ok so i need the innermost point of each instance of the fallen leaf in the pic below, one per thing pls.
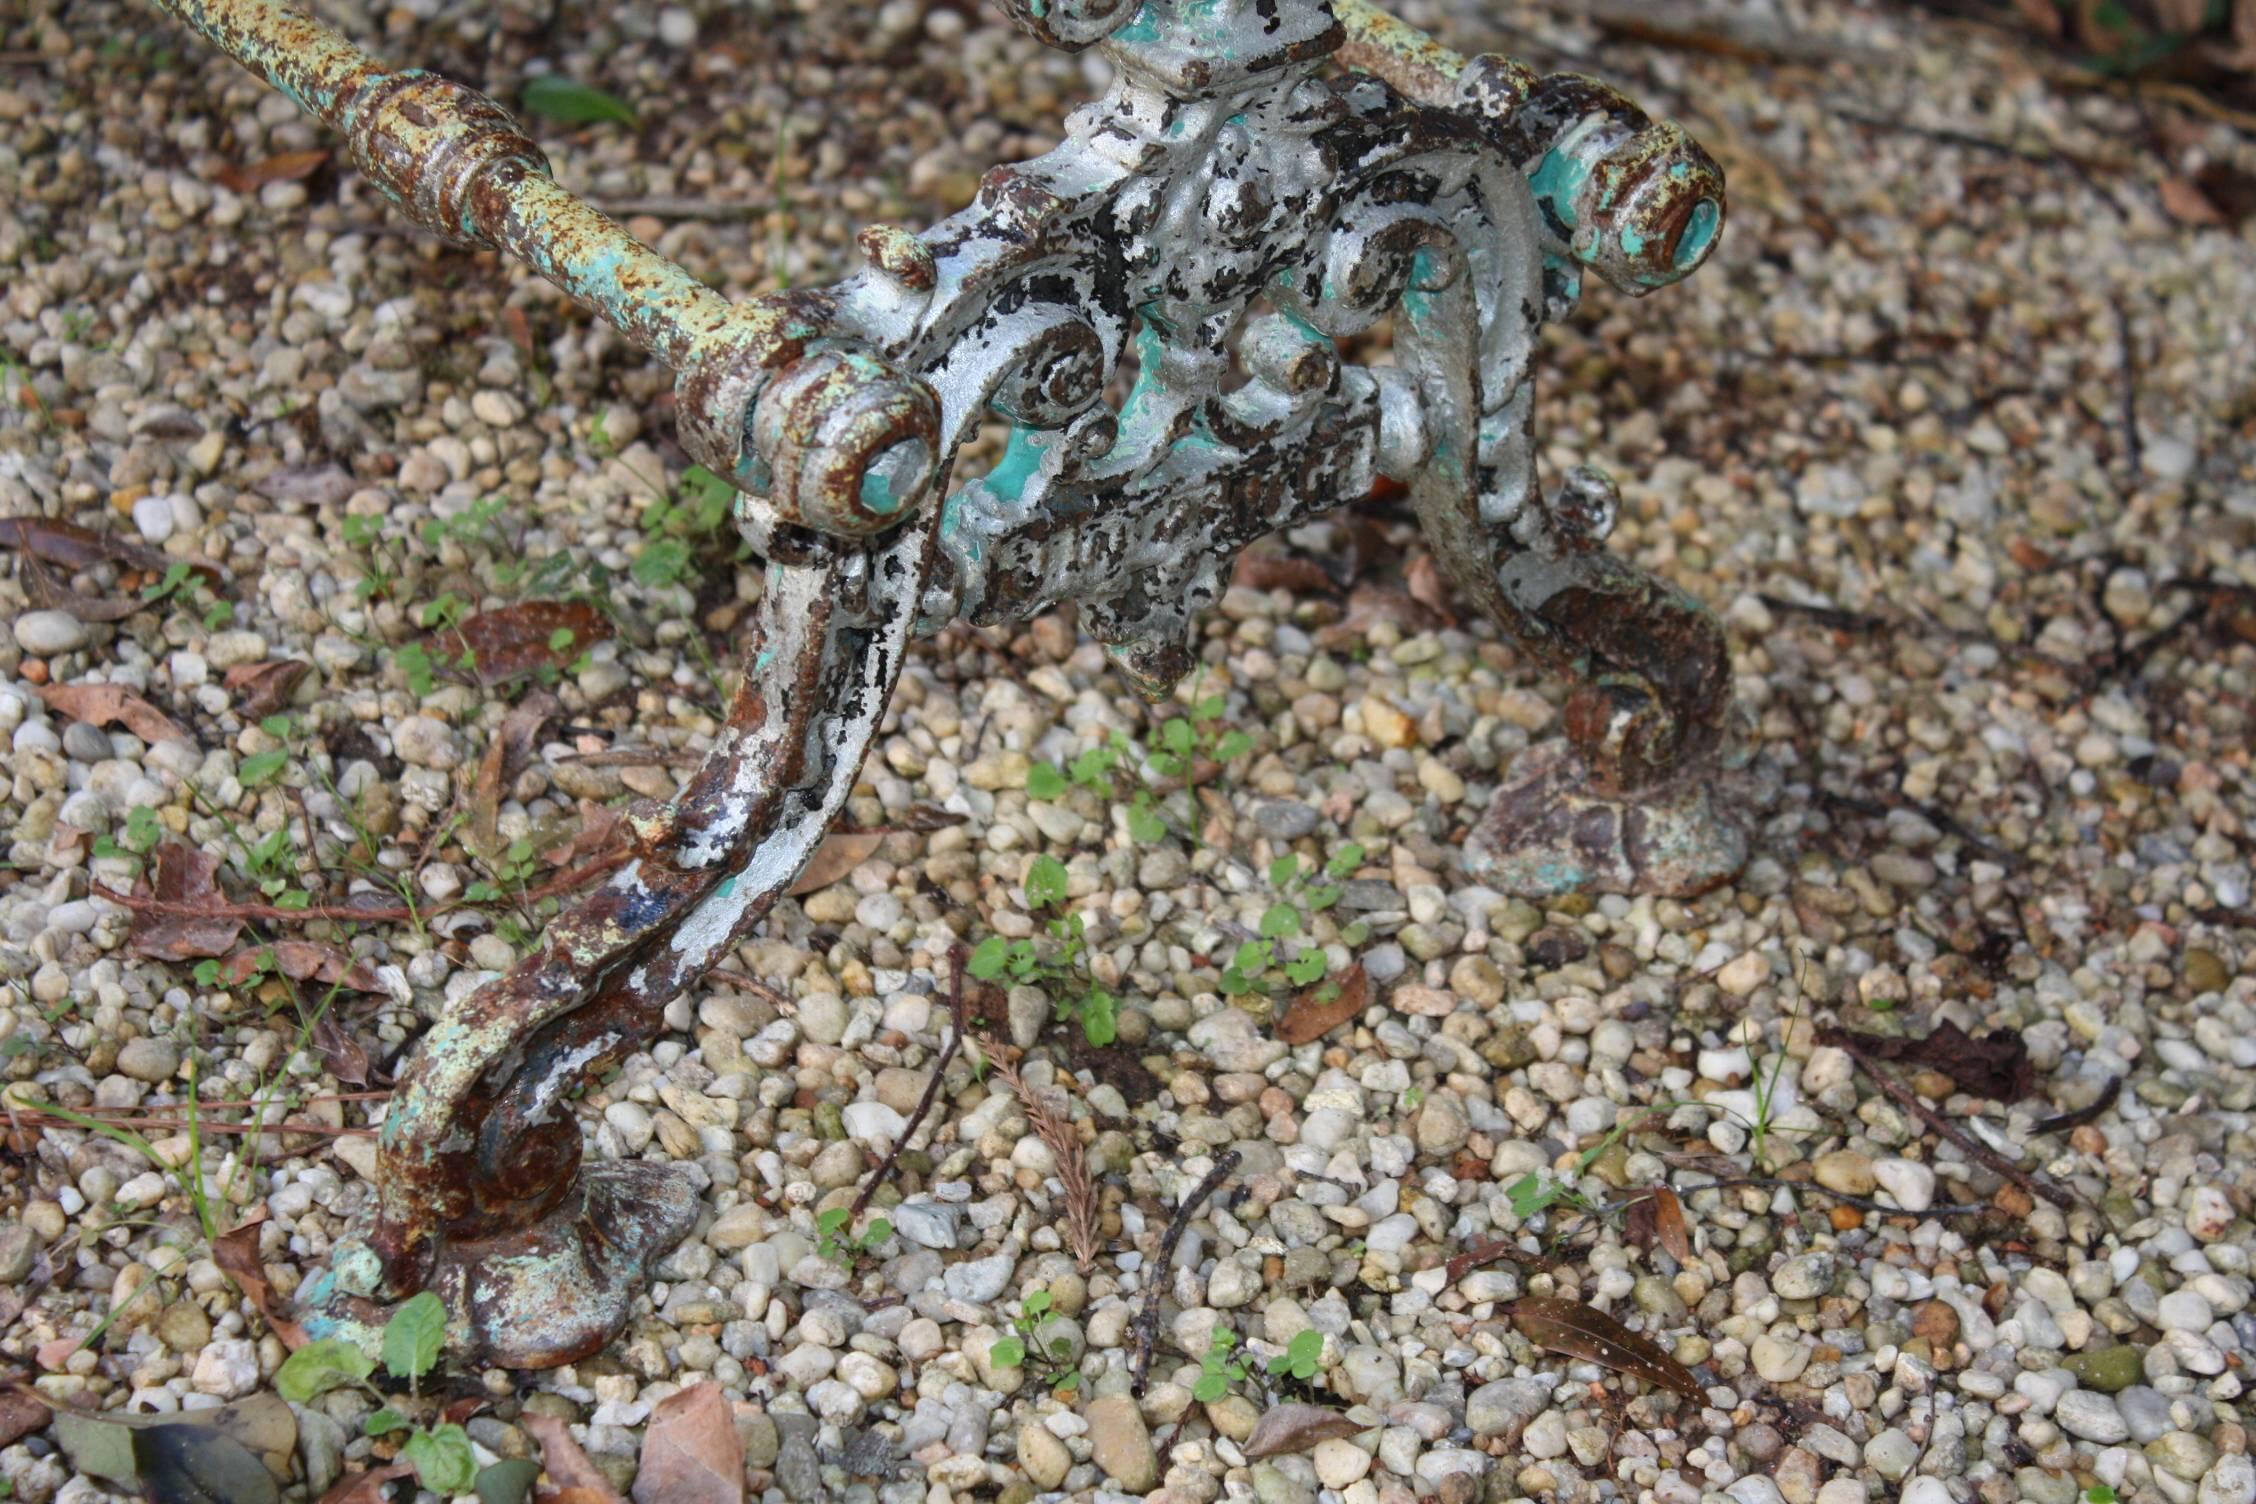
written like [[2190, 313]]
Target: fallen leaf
[[96, 1447], [512, 641], [1994, 1065], [1658, 1217], [21, 1413], [75, 547], [45, 591], [286, 167], [692, 1453], [236, 1253], [1295, 1428], [1271, 571], [509, 1481], [2231, 191], [1310, 1016], [597, 834], [113, 705], [505, 757], [300, 960], [183, 875], [1428, 586], [2188, 205], [260, 689], [368, 1487], [1580, 1331], [840, 853], [567, 101], [342, 1056], [567, 1465]]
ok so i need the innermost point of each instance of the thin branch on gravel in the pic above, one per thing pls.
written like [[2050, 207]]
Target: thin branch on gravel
[[562, 883], [2083, 1115], [1979, 1152], [1147, 1319], [766, 990], [885, 1168], [2133, 451], [1862, 1203], [1072, 1162]]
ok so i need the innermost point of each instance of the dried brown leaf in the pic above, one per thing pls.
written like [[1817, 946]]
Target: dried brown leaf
[[1580, 1331], [1994, 1065], [21, 1413], [341, 1055], [1657, 1217], [368, 1487], [512, 747], [565, 1463], [236, 1253], [287, 167], [302, 961], [113, 705], [1295, 1428], [260, 689], [513, 641], [692, 1453], [840, 853], [597, 833], [183, 875], [2184, 201], [49, 593], [75, 547], [1311, 1016], [1428, 586], [1271, 571]]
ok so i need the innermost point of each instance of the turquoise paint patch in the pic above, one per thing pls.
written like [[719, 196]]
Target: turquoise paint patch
[[877, 494], [1557, 181], [1021, 457], [728, 886], [1699, 233], [1632, 243]]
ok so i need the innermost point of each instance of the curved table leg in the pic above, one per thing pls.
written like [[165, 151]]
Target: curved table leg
[[481, 1195]]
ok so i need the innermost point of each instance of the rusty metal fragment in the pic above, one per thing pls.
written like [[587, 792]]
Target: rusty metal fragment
[[1230, 209]]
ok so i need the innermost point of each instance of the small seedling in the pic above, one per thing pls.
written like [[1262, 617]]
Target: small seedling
[[142, 832], [1219, 1369], [1054, 1359], [2099, 1493], [1302, 1356], [181, 577], [440, 1455], [833, 1241], [1064, 975], [1258, 965]]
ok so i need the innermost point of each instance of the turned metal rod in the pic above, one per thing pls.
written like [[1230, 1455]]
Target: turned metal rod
[[457, 164], [1416, 66]]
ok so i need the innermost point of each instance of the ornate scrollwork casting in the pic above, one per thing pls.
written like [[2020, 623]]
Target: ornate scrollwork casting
[[1232, 208]]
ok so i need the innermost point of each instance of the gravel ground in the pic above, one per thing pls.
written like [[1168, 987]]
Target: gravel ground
[[1944, 432]]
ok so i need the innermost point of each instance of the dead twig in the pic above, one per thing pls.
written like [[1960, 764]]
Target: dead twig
[[885, 1168], [765, 990], [1862, 1203], [2083, 1115], [562, 883], [1980, 1153], [1147, 1319]]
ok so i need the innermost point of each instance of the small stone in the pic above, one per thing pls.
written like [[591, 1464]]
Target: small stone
[[1780, 1360], [227, 1368], [1846, 1171], [1386, 725], [43, 634], [1911, 1183], [19, 1250], [2209, 1213], [1743, 974], [928, 1224], [2185, 1311], [184, 1327], [2231, 1481], [2109, 1370], [1042, 1455], [1891, 1454], [2182, 1455], [495, 409], [2090, 1416], [1805, 1277], [978, 1281], [150, 1060], [1340, 1462], [1120, 1443]]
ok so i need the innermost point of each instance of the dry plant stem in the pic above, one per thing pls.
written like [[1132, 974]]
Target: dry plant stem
[[1147, 1319], [1862, 1203], [563, 882], [884, 1171], [782, 1000], [1072, 1162], [1980, 1153]]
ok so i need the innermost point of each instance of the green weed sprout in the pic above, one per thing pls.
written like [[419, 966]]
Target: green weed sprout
[[1258, 965], [1064, 976]]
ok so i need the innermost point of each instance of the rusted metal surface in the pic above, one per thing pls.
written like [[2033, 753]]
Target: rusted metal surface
[[1218, 220]]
